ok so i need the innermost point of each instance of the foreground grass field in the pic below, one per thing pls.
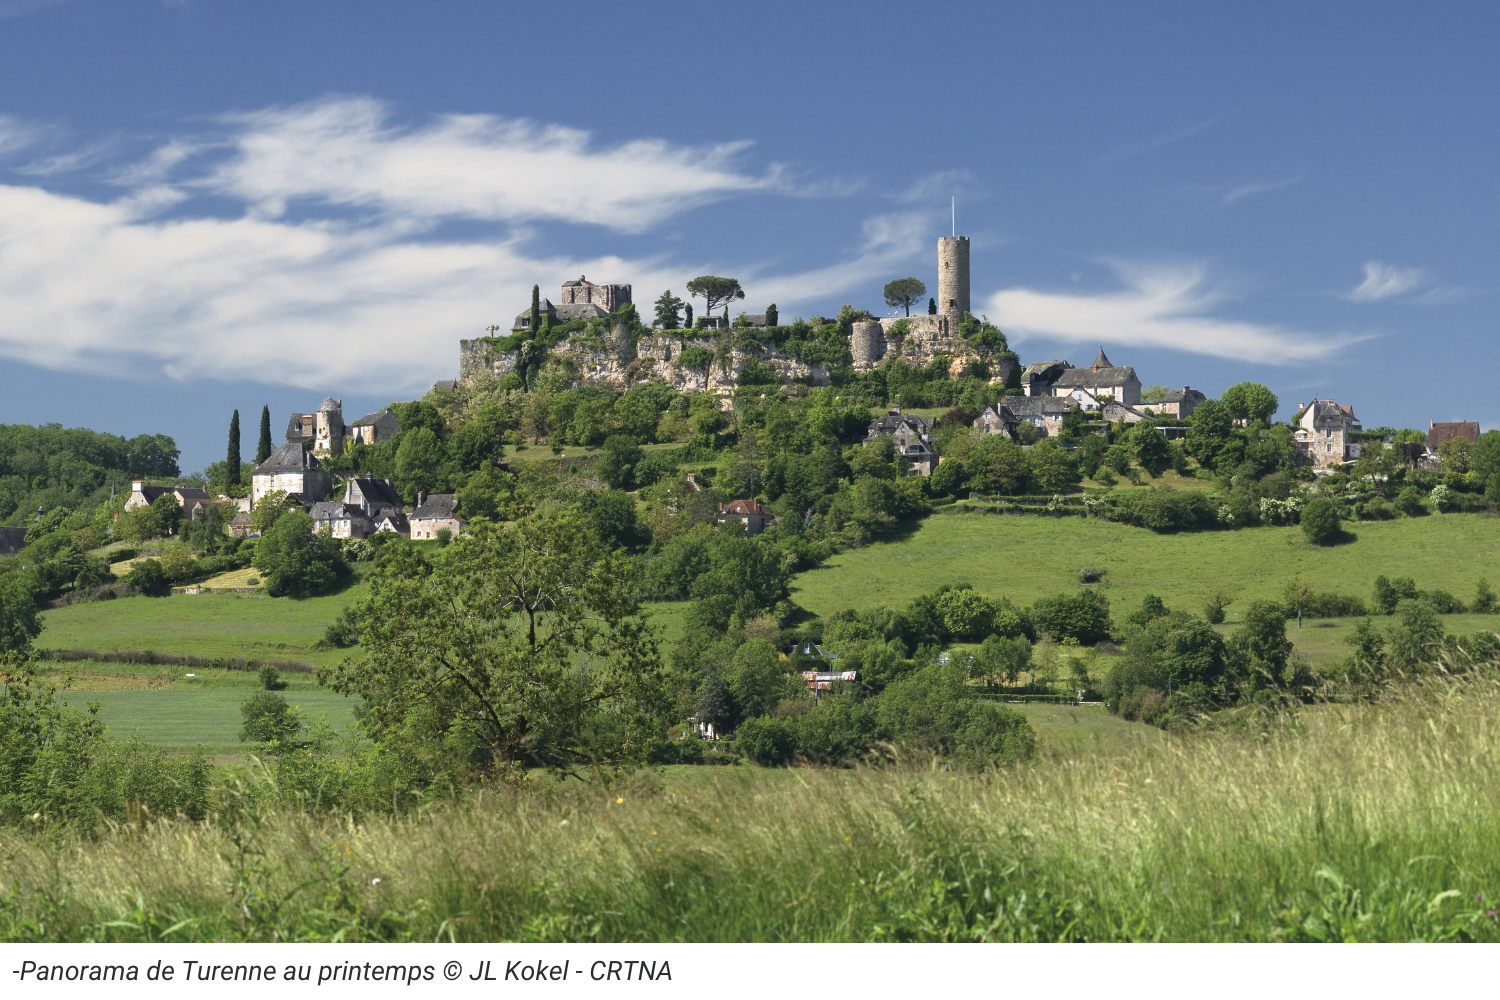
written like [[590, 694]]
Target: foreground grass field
[[1363, 823], [1024, 558]]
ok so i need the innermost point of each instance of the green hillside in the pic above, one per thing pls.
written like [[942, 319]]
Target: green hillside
[[1024, 558]]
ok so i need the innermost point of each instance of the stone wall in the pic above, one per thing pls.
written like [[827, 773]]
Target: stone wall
[[619, 363]]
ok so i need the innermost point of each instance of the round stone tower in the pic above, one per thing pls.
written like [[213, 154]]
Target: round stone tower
[[866, 344], [953, 278]]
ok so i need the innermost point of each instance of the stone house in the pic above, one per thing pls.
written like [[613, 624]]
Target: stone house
[[911, 436], [1438, 433], [1045, 413], [1115, 411], [1040, 376], [434, 513], [581, 299], [292, 468], [395, 522], [189, 498], [751, 514], [608, 297], [1101, 379], [1324, 434], [1179, 403], [242, 525], [326, 433], [366, 505]]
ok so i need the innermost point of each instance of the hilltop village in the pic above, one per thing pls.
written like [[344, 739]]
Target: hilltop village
[[594, 339]]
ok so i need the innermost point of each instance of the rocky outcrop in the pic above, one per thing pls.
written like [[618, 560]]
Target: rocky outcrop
[[618, 360]]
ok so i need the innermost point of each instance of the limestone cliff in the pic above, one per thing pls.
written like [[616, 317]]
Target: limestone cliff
[[715, 361]]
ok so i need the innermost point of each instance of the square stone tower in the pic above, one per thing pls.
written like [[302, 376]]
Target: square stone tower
[[953, 278]]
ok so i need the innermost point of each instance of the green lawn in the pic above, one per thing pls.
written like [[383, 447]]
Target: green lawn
[[1072, 730], [1025, 557], [188, 711], [244, 625]]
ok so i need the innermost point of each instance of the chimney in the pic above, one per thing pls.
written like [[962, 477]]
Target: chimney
[[421, 497], [136, 484], [369, 475]]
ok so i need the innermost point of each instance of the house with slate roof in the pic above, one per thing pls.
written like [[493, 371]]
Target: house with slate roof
[[1100, 379], [1039, 377], [189, 498], [1179, 403], [581, 299], [368, 505], [1324, 434], [291, 468], [325, 431], [435, 513], [1045, 413], [911, 435]]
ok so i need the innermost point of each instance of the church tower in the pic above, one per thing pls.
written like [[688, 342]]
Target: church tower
[[953, 279]]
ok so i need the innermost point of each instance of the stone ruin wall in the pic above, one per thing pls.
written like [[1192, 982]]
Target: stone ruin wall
[[620, 364]]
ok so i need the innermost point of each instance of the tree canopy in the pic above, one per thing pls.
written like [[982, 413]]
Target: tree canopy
[[715, 291], [903, 292]]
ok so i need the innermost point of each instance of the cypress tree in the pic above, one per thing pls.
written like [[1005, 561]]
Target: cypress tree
[[932, 307], [771, 316], [536, 308], [688, 307], [234, 449], [264, 449]]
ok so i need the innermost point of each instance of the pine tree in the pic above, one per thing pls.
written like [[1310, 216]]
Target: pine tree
[[263, 449], [536, 308], [234, 449]]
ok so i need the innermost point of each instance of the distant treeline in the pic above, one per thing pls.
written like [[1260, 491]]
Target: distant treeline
[[50, 466]]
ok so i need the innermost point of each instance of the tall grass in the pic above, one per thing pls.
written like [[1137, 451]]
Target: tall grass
[[1368, 822]]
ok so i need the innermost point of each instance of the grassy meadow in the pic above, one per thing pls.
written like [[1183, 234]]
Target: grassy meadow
[[252, 626], [1376, 822], [1026, 557]]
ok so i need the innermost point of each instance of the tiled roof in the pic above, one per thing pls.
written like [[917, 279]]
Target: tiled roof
[[746, 507], [1086, 377]]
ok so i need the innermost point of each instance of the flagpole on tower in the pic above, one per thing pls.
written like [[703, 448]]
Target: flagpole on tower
[[953, 207]]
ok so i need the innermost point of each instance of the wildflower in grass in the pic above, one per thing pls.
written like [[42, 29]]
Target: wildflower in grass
[[619, 801], [375, 881]]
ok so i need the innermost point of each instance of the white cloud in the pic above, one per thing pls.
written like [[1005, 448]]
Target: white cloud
[[1386, 281], [345, 152], [888, 241], [1165, 306]]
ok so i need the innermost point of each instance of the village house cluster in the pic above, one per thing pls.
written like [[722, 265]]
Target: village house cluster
[[366, 505]]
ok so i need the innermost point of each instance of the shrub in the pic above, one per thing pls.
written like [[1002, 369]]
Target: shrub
[[298, 562], [178, 564], [147, 577], [268, 718], [1484, 599], [19, 622], [1389, 593], [935, 711], [342, 632], [618, 458], [1082, 615], [1409, 502], [1320, 521], [1165, 510], [766, 741], [270, 678], [1091, 574]]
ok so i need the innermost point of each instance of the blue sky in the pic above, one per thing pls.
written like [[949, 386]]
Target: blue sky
[[209, 205]]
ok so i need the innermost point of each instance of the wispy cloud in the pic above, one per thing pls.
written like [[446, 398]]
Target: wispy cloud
[[1160, 141], [939, 186], [1162, 305], [64, 163], [1258, 187], [357, 297], [345, 152], [1387, 281], [888, 240]]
